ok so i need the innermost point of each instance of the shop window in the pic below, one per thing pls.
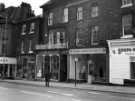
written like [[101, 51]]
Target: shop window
[[79, 13], [127, 3]]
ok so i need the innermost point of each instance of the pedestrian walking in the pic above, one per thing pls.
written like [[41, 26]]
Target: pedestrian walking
[[47, 79]]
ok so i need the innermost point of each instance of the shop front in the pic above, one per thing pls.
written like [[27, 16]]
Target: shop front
[[122, 60], [27, 68], [8, 67], [55, 62], [87, 65]]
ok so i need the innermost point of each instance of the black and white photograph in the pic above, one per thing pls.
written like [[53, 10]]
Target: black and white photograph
[[67, 50]]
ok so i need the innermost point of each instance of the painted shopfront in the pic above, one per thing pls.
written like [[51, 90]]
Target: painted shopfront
[[91, 64], [122, 60]]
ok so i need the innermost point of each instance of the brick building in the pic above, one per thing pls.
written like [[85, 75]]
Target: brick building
[[75, 33], [8, 36], [29, 35]]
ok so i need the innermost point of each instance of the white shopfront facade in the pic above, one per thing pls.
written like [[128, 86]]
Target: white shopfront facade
[[121, 60], [8, 66]]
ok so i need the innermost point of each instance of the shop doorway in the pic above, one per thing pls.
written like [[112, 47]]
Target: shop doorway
[[90, 71], [132, 70]]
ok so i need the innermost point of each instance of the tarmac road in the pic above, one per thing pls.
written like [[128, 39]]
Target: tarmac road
[[15, 92]]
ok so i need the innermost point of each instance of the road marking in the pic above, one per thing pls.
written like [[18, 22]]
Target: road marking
[[76, 100], [93, 93], [67, 94], [3, 88], [35, 93], [52, 92]]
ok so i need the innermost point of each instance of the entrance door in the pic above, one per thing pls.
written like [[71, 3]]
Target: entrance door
[[90, 71], [132, 70], [47, 64]]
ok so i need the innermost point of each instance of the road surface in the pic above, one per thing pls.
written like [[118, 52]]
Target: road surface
[[14, 92]]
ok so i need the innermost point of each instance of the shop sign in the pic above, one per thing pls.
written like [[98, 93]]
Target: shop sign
[[88, 51], [7, 60], [123, 51]]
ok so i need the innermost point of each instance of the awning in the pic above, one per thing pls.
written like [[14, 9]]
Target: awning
[[8, 60], [88, 51]]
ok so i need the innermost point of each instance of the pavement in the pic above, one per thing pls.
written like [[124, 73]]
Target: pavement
[[81, 86]]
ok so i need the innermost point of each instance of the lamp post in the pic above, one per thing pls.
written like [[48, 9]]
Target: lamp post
[[76, 59]]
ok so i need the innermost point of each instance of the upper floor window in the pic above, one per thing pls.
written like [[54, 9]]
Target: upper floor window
[[77, 38], [127, 22], [22, 47], [65, 16], [24, 29], [79, 13], [32, 27], [94, 10], [30, 46], [94, 35], [50, 19], [127, 3], [51, 37], [60, 37]]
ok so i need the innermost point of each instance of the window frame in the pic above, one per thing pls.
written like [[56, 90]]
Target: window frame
[[66, 15], [94, 32], [127, 18], [126, 3], [79, 13], [22, 47], [94, 11], [24, 26], [32, 27], [50, 18]]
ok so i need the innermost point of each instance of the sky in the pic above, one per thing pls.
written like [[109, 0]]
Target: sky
[[35, 4]]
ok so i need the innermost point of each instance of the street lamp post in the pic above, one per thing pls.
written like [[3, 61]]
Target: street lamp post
[[76, 59]]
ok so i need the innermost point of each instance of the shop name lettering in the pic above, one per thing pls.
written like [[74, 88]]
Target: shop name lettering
[[3, 60], [123, 50]]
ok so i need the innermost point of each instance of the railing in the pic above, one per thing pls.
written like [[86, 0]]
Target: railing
[[52, 46]]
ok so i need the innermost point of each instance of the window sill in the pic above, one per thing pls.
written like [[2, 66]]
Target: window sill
[[23, 33], [22, 52], [128, 5], [31, 32], [30, 52]]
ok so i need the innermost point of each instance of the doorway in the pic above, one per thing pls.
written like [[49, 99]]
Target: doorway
[[132, 70]]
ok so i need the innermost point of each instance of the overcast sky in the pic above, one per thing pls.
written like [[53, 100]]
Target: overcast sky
[[35, 4]]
